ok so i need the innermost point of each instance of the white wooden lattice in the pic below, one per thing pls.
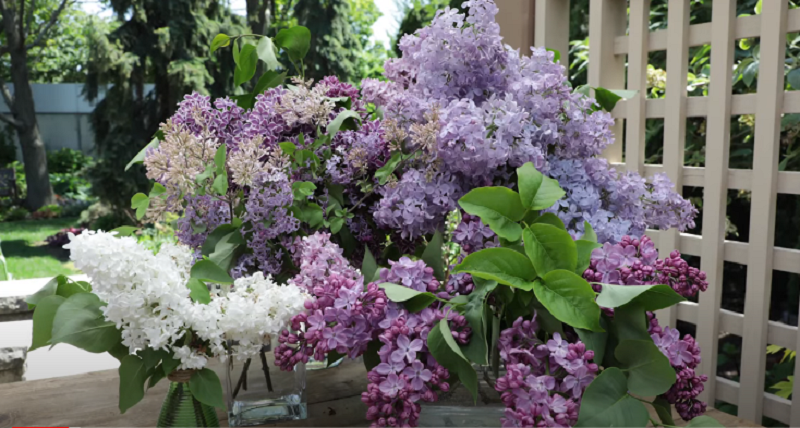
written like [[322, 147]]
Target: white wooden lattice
[[619, 34]]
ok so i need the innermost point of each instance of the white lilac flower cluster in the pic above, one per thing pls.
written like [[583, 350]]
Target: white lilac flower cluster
[[145, 295]]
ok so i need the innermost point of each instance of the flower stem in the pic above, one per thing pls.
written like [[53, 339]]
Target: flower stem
[[242, 379], [495, 349], [265, 367]]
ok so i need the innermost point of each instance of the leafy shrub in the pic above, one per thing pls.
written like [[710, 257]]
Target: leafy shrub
[[71, 185], [16, 213], [47, 211], [71, 207], [58, 240], [66, 161], [94, 212], [109, 222]]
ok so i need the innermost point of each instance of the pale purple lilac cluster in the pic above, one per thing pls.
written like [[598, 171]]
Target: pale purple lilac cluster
[[544, 382], [260, 174], [342, 316], [684, 356], [476, 109], [634, 261]]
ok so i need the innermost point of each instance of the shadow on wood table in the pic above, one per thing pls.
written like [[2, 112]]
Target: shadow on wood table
[[334, 399]]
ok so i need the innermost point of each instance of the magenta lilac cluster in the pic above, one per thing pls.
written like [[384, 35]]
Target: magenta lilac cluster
[[544, 382], [342, 316], [684, 356], [476, 109], [634, 261]]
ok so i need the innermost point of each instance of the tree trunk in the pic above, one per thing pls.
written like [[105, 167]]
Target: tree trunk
[[34, 155]]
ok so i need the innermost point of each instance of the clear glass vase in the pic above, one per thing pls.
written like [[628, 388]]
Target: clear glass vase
[[181, 409], [259, 393]]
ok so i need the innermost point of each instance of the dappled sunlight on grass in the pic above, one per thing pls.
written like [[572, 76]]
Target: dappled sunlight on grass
[[26, 253]]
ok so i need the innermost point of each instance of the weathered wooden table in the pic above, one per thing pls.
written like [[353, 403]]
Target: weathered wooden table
[[334, 399]]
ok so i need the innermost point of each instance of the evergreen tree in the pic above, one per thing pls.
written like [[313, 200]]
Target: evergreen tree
[[335, 46], [158, 54]]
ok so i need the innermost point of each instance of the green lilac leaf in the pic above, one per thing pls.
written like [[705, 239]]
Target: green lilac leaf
[[156, 375], [132, 377], [596, 341], [529, 181], [369, 267], [198, 291], [448, 354], [664, 410], [219, 41], [303, 189], [650, 297], [340, 122], [206, 388], [49, 289], [503, 265], [227, 249], [649, 371], [43, 317], [550, 248], [551, 219], [336, 224], [125, 230], [476, 350], [570, 299], [704, 421], [140, 202], [220, 184], [383, 173], [548, 194], [608, 98], [246, 68], [413, 300], [588, 232], [584, 249], [268, 80], [206, 270], [606, 403], [630, 323], [214, 237], [295, 41], [139, 158], [499, 207], [80, 322], [432, 256], [266, 52]]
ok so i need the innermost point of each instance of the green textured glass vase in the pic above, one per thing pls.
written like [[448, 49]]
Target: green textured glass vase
[[181, 409]]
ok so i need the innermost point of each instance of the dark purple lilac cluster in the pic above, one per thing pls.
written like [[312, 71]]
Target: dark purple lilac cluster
[[684, 356], [544, 382], [634, 261]]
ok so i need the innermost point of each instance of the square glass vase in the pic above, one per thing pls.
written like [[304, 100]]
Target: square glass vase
[[258, 392]]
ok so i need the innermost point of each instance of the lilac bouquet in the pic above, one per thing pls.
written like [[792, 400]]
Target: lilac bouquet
[[542, 272]]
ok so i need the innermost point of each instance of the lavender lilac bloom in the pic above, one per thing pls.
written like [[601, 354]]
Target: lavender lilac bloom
[[475, 109], [544, 382]]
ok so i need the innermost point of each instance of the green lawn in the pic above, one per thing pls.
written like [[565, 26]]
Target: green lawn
[[26, 253]]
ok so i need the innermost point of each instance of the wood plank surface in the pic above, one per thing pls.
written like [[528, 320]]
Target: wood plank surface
[[334, 399]]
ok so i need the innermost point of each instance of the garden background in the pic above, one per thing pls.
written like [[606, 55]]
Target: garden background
[[137, 61]]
